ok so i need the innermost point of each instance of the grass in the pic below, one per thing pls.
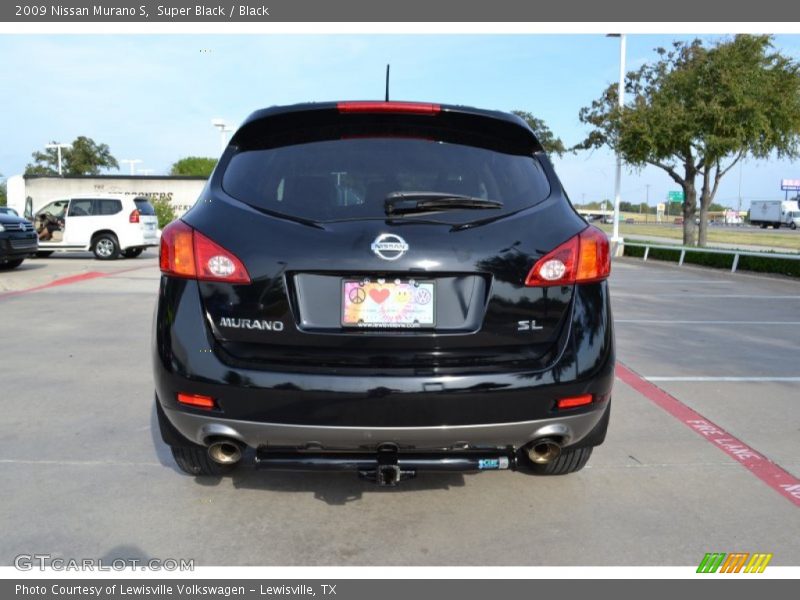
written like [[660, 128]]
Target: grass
[[716, 234]]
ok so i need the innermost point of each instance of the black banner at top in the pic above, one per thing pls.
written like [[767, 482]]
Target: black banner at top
[[464, 11]]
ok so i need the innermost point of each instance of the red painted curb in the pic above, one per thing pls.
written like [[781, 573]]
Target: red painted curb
[[759, 465], [68, 280]]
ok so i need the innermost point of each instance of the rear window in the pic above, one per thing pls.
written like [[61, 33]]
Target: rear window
[[144, 206], [350, 178]]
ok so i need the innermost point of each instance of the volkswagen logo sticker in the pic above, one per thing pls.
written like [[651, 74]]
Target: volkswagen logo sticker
[[389, 246]]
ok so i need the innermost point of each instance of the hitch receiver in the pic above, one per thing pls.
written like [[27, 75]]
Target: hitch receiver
[[388, 475]]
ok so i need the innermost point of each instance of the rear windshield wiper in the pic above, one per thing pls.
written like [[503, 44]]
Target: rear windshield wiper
[[405, 203]]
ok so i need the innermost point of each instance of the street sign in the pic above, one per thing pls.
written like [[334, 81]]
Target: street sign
[[790, 185], [675, 196]]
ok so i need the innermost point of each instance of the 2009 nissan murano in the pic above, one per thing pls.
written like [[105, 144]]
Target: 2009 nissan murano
[[386, 288]]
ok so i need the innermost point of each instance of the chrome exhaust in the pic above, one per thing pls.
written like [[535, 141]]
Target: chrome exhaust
[[225, 452], [543, 451]]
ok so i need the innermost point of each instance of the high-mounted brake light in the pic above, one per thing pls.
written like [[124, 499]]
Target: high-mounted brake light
[[581, 259], [416, 108], [188, 253], [134, 218]]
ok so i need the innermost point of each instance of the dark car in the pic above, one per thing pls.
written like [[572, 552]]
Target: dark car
[[383, 287], [17, 240]]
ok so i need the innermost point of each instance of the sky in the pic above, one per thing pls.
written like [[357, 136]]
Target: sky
[[152, 97]]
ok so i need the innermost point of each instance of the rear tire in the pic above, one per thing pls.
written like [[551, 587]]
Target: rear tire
[[11, 264], [194, 460], [106, 247], [569, 461], [132, 252], [43, 253]]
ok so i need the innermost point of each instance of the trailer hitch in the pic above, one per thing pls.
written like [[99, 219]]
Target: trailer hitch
[[387, 471], [387, 466]]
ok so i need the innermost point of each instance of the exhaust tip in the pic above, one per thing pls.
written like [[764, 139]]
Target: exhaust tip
[[543, 451], [225, 452]]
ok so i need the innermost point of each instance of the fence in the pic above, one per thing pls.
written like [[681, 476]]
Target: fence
[[735, 253]]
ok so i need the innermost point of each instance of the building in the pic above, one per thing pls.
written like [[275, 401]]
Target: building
[[28, 193]]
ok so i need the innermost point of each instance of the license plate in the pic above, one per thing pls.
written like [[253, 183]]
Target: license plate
[[387, 303]]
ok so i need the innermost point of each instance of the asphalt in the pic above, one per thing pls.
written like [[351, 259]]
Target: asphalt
[[85, 475]]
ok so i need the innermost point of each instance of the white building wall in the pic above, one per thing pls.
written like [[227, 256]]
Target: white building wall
[[181, 192]]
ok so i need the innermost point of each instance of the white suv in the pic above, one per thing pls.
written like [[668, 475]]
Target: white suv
[[109, 226]]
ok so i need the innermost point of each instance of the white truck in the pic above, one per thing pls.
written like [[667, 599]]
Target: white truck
[[775, 213]]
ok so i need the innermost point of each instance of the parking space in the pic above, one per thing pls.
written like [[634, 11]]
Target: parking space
[[85, 473]]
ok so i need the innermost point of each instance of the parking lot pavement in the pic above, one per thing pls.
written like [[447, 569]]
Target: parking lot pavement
[[86, 475], [38, 272]]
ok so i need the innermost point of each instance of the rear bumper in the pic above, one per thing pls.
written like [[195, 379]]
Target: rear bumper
[[345, 411], [568, 429], [137, 239]]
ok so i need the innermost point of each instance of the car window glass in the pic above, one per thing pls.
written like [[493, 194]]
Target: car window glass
[[108, 207], [54, 208], [144, 206], [345, 178], [80, 208]]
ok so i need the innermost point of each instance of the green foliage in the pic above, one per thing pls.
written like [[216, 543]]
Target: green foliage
[[697, 110], [84, 157], [3, 193], [550, 143], [757, 264], [164, 212], [197, 166]]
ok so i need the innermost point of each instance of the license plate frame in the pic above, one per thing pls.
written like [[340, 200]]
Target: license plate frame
[[373, 312]]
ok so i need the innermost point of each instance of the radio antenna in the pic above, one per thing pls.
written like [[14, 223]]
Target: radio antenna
[[387, 83]]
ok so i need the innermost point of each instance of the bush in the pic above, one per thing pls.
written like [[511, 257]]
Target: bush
[[164, 212], [757, 264]]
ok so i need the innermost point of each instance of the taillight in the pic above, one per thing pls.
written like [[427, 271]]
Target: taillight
[[177, 251], [188, 253], [417, 108], [134, 218], [214, 263], [581, 259]]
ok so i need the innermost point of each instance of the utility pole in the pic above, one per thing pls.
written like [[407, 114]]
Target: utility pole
[[621, 103], [739, 208], [132, 162], [223, 132], [58, 147]]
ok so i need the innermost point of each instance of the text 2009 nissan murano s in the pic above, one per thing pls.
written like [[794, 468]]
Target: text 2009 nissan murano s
[[387, 288]]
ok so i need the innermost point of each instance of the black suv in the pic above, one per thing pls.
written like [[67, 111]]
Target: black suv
[[17, 240], [383, 287]]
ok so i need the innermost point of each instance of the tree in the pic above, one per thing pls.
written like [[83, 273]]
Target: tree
[[83, 157], [550, 143], [3, 193], [697, 110], [198, 166], [164, 212]]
